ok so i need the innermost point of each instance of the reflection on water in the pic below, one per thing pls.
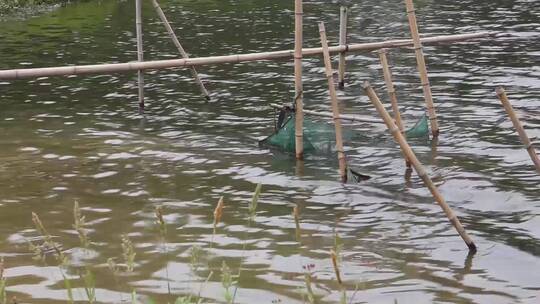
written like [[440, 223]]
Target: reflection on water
[[81, 138]]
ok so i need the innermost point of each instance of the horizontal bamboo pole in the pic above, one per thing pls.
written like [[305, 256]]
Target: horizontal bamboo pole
[[351, 118], [187, 62], [519, 127], [400, 139]]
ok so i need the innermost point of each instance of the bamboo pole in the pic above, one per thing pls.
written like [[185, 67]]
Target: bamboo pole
[[400, 139], [392, 94], [391, 88], [181, 49], [519, 127], [213, 60], [421, 61], [348, 117], [335, 109], [140, 52], [342, 42], [298, 86]]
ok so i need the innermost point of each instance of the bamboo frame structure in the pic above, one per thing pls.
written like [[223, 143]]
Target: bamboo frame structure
[[422, 69], [335, 108], [392, 94], [213, 60], [400, 139], [501, 93], [140, 53], [181, 49], [298, 86], [342, 42], [348, 117]]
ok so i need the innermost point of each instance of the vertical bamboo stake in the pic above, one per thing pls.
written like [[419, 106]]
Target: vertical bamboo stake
[[299, 90], [421, 61], [181, 50], [418, 166], [342, 42], [333, 99], [392, 94], [140, 52], [519, 127]]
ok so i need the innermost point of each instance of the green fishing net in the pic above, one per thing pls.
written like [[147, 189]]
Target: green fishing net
[[420, 129], [319, 137]]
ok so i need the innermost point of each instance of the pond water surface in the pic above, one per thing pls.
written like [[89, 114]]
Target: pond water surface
[[81, 139]]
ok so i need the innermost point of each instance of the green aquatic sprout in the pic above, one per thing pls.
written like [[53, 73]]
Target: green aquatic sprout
[[227, 282], [89, 285], [3, 283], [128, 252], [48, 240], [79, 224], [255, 201], [69, 289], [161, 221]]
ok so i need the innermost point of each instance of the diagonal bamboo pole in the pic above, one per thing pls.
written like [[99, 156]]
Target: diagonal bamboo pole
[[335, 109], [298, 86], [342, 42], [140, 52], [181, 50], [422, 68], [519, 127], [392, 94], [124, 67], [400, 139]]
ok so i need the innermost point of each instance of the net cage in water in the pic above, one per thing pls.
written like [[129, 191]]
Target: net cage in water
[[319, 136]]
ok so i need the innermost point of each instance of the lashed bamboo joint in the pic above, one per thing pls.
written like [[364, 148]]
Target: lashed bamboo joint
[[519, 127], [422, 173]]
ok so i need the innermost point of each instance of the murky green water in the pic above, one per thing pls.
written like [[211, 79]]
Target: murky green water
[[80, 138]]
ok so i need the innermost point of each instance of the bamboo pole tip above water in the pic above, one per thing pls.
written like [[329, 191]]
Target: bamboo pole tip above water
[[500, 91], [321, 26], [366, 85], [382, 51]]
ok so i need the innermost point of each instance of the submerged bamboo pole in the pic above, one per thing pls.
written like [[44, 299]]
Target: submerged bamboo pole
[[140, 52], [342, 42], [392, 94], [421, 61], [181, 49], [108, 68], [335, 109], [519, 127], [348, 117], [400, 139], [298, 86]]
